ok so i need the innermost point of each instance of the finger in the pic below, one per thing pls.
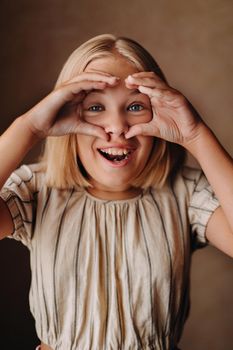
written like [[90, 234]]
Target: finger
[[100, 76], [130, 86], [169, 96], [71, 90], [155, 75], [146, 81], [152, 93], [78, 98], [135, 85], [66, 94], [92, 130], [141, 129], [150, 74]]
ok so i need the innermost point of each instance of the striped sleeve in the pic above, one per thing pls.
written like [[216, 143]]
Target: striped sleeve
[[20, 195], [202, 204]]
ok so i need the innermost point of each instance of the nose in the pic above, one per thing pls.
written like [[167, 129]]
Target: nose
[[117, 124]]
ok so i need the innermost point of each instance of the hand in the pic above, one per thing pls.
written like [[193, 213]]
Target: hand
[[174, 119], [59, 112]]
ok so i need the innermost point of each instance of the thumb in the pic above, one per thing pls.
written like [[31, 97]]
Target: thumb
[[92, 130], [144, 129]]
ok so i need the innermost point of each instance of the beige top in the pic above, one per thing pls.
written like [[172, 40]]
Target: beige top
[[109, 274]]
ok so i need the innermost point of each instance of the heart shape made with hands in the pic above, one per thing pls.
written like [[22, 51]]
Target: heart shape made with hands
[[174, 119]]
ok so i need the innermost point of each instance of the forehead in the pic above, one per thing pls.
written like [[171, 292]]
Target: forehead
[[115, 65]]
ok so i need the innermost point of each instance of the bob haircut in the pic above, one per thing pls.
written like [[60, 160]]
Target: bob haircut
[[68, 172]]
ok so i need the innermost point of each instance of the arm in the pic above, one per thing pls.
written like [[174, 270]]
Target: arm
[[218, 168], [14, 145], [175, 120], [57, 114]]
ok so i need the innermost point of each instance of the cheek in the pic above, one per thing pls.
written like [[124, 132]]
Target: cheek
[[101, 119], [147, 117], [84, 146], [95, 120], [90, 117], [139, 119], [146, 143]]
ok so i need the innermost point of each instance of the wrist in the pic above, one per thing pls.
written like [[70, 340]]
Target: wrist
[[33, 136], [203, 138], [23, 134]]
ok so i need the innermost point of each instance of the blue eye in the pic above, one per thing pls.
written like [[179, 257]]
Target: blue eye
[[135, 108], [95, 108]]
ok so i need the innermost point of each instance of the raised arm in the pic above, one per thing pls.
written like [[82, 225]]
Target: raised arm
[[57, 114], [218, 168], [175, 120]]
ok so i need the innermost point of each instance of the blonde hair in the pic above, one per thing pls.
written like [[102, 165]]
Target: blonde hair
[[68, 172]]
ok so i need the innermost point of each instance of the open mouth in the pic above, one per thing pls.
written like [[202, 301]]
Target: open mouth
[[115, 155]]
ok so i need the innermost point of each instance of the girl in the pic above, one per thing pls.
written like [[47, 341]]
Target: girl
[[110, 213]]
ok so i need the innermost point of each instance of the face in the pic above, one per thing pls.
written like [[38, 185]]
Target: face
[[112, 165]]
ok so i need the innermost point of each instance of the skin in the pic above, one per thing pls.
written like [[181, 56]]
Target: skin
[[173, 119], [170, 117], [117, 109]]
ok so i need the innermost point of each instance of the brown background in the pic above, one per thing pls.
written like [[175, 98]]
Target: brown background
[[192, 41]]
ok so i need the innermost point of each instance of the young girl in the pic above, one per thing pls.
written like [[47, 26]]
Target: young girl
[[110, 214]]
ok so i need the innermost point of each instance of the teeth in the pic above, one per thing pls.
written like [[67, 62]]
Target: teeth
[[115, 151]]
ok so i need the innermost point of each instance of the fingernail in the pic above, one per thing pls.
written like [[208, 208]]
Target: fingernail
[[129, 77], [114, 80]]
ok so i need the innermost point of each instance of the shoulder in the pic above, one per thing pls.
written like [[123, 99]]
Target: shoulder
[[26, 171], [30, 175], [181, 188], [186, 178]]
